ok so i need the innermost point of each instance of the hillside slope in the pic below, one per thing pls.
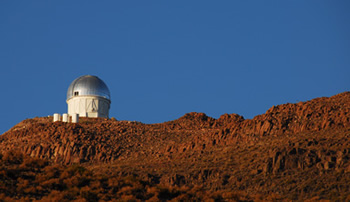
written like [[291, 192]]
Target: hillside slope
[[293, 151]]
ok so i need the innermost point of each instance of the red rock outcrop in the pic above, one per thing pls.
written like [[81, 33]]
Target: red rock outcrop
[[315, 115], [297, 150], [104, 140]]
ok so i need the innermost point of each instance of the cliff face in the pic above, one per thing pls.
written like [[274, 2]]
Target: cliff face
[[312, 116], [302, 140]]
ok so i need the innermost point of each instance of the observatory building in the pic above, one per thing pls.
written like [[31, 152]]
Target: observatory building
[[88, 96]]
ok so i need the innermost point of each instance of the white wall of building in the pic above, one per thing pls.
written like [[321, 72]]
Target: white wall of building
[[89, 106]]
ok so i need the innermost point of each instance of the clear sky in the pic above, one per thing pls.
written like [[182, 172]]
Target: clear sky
[[162, 59]]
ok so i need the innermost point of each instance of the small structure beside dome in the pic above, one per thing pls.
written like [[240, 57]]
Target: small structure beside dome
[[88, 96]]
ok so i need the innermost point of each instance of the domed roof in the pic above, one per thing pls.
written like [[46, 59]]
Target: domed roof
[[88, 85]]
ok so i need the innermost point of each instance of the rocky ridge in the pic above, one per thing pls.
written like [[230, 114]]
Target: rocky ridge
[[295, 150], [106, 140]]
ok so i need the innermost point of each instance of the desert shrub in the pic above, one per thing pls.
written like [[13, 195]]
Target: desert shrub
[[53, 184], [33, 163], [3, 173], [76, 176], [114, 184], [167, 192], [58, 196], [21, 185], [77, 181], [96, 184], [31, 190], [48, 172], [75, 170], [88, 194], [12, 157]]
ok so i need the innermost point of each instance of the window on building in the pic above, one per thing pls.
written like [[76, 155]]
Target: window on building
[[76, 93]]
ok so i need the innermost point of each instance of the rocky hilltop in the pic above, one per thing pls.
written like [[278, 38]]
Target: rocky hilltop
[[293, 151]]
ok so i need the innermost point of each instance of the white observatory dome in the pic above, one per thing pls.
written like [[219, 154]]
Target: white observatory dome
[[88, 85], [88, 96]]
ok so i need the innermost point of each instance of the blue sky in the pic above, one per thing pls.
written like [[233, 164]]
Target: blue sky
[[162, 59]]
